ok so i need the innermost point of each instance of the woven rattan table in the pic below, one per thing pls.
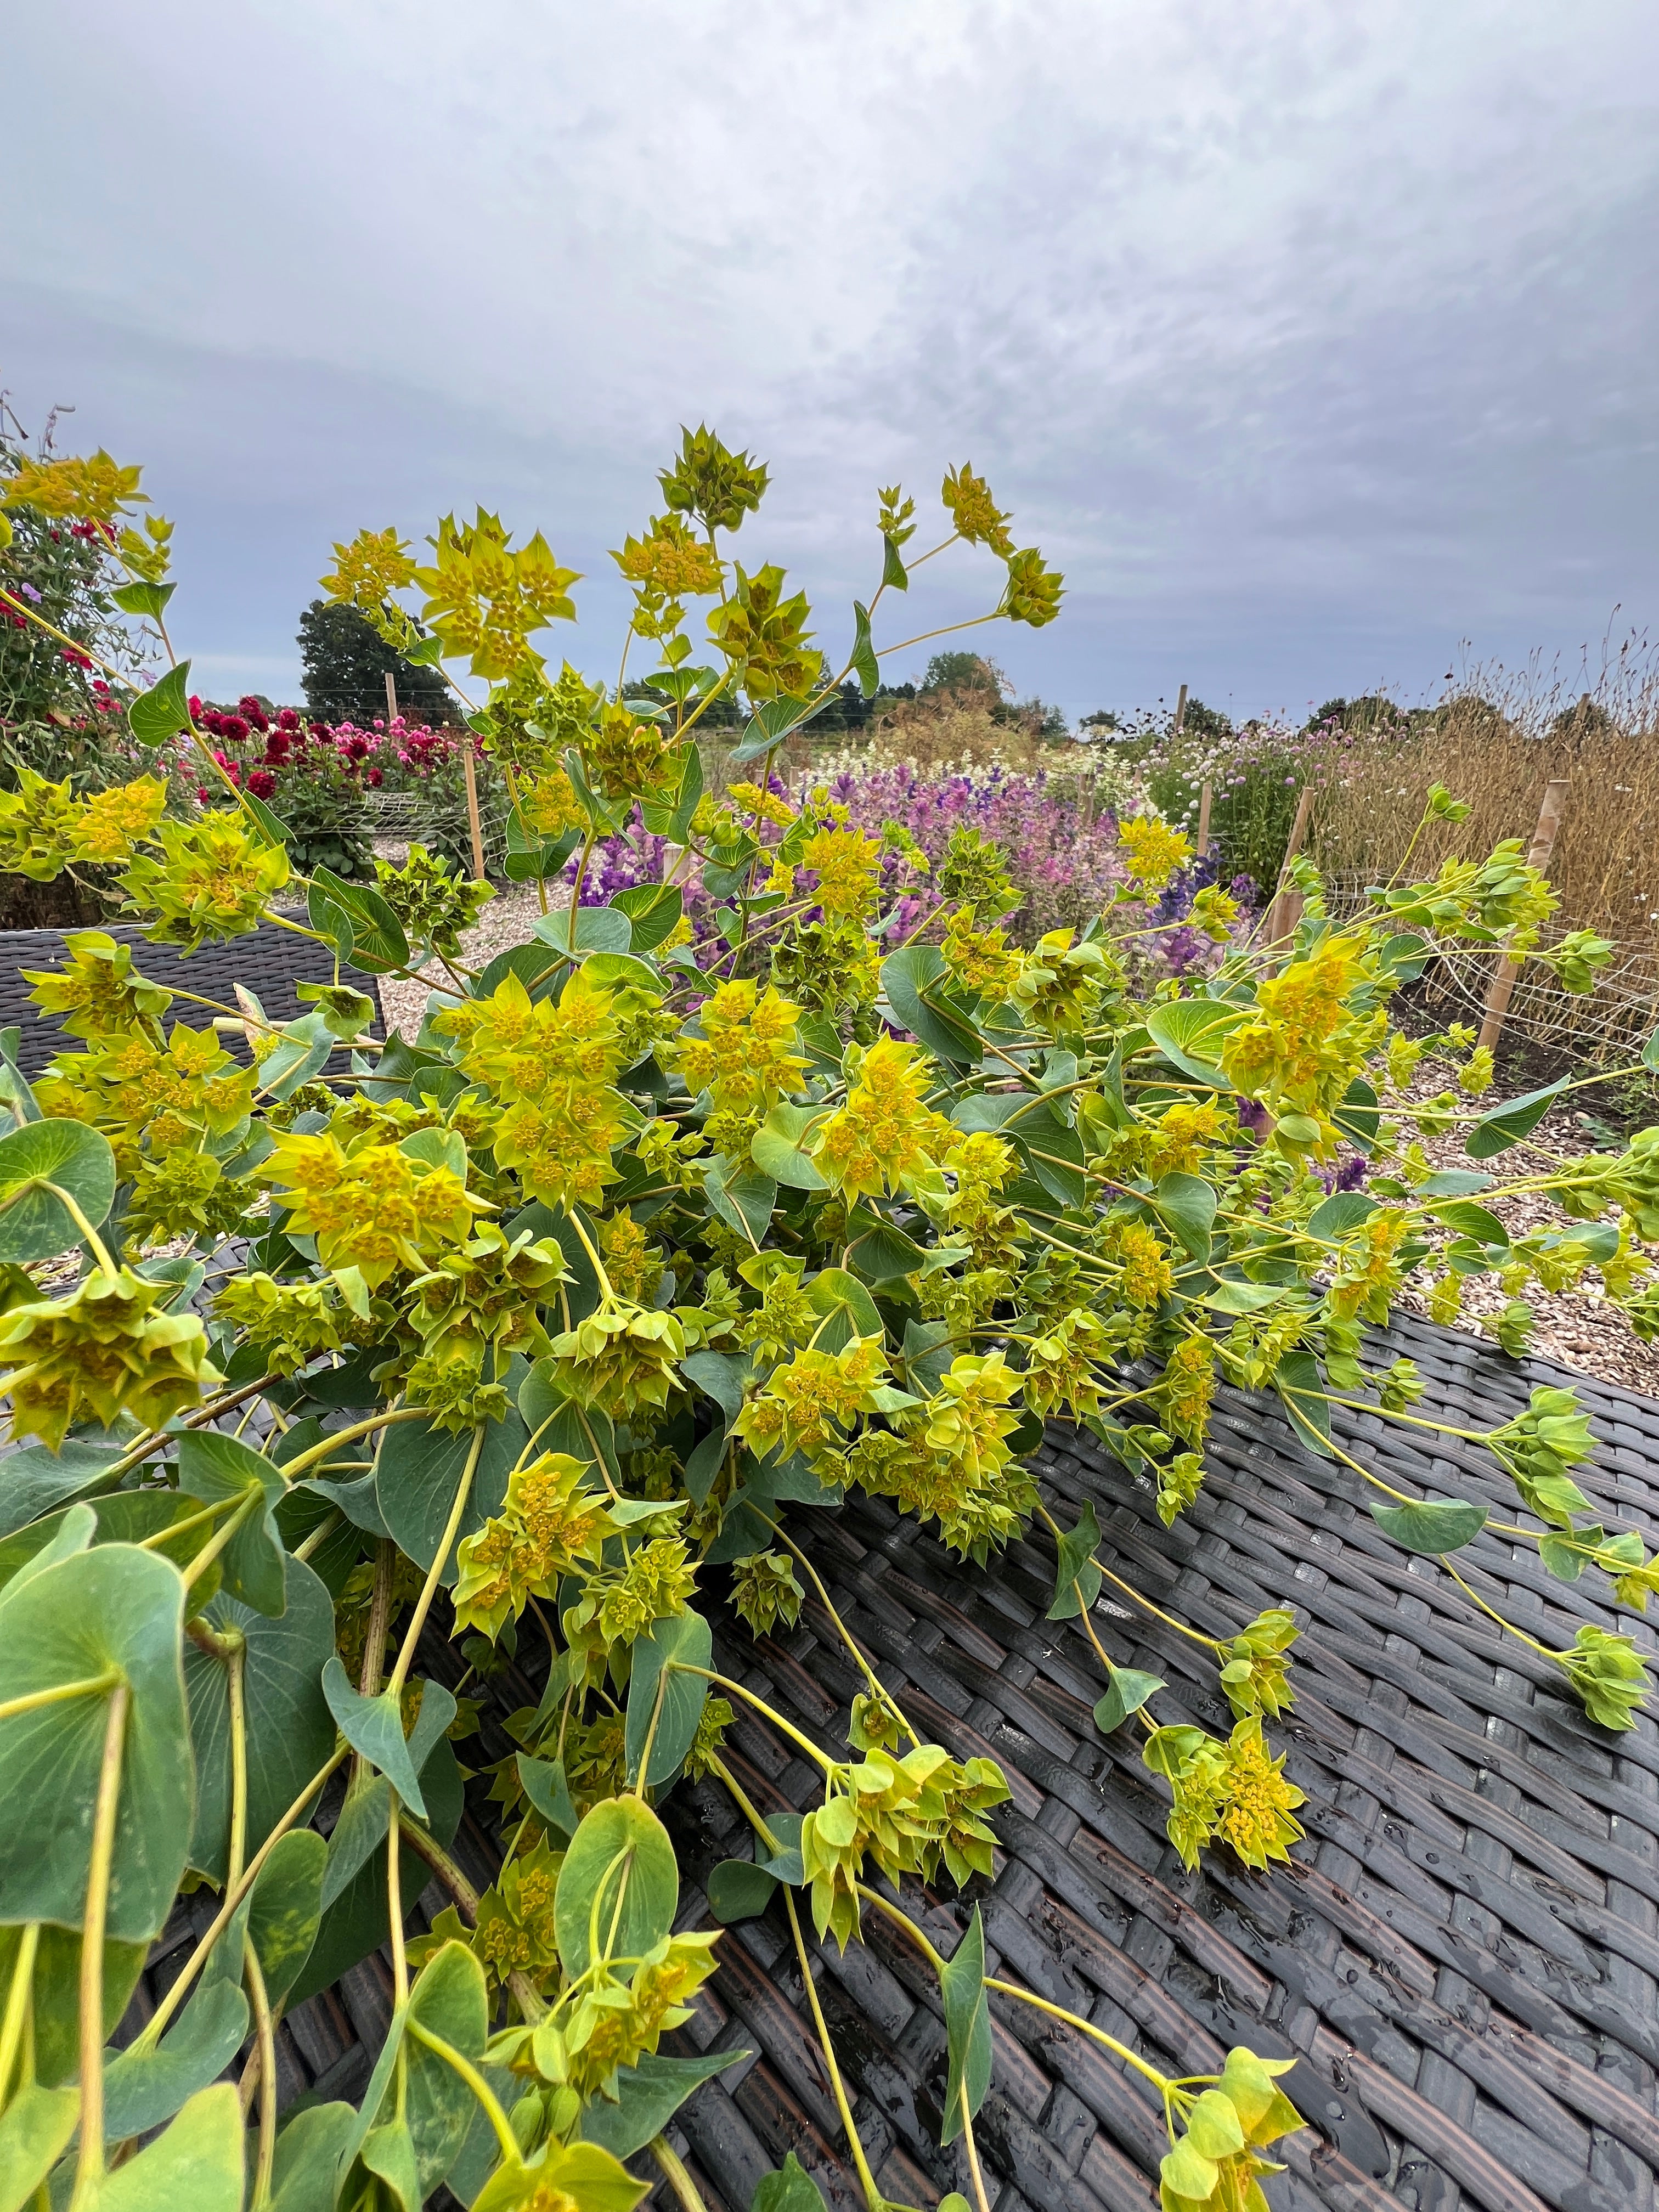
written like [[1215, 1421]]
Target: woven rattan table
[[1463, 1957], [269, 961]]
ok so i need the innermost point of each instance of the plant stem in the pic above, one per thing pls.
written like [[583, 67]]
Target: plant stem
[[380, 1612], [17, 2003], [1084, 2027], [233, 1895], [394, 1906], [673, 2167], [869, 1672], [873, 2196], [89, 2165], [423, 1603], [235, 1662], [475, 2081], [761, 1706], [265, 2030], [94, 1242]]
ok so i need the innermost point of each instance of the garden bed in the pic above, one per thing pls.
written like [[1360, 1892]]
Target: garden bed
[[1463, 1956]]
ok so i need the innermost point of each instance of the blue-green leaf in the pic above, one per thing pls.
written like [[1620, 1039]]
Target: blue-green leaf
[[968, 2029], [160, 713]]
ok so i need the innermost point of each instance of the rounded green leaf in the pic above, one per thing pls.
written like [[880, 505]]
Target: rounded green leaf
[[196, 2166], [116, 1609], [449, 2001], [665, 1703], [160, 713], [1444, 1525], [647, 2097], [739, 1890], [287, 1906], [290, 1730], [621, 1857], [1127, 1692], [421, 1469], [33, 1224]]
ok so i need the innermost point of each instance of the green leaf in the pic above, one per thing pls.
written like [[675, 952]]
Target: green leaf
[[682, 1641], [1465, 1218], [449, 2001], [144, 598], [1192, 1032], [1441, 1525], [647, 2097], [1186, 1204], [1505, 1125], [776, 1148], [1358, 1117], [379, 943], [308, 2152], [1125, 1693], [835, 1286], [768, 726], [1342, 1211], [720, 1376], [913, 980], [56, 2002], [1453, 1182], [620, 1852], [742, 1197], [1077, 1583], [355, 1924], [142, 2088], [277, 831], [388, 2153], [36, 1482], [546, 1786], [35, 2132], [879, 1252], [113, 1608], [196, 2166], [253, 1562], [1302, 1388], [160, 713], [864, 664], [33, 1224], [374, 1727], [1650, 1051], [739, 1889], [653, 912], [1230, 1297], [893, 576], [420, 1470], [290, 1731], [968, 2029], [287, 1907]]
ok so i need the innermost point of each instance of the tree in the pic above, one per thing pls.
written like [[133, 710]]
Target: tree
[[964, 672], [346, 664]]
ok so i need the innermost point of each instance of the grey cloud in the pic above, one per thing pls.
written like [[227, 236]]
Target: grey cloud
[[1308, 339]]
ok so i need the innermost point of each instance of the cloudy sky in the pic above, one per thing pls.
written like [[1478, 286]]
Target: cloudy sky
[[1309, 337]]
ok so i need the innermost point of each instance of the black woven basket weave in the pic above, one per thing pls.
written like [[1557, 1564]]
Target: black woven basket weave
[[1463, 1957], [269, 961]]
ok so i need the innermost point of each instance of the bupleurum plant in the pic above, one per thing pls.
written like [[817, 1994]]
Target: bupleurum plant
[[562, 1303]]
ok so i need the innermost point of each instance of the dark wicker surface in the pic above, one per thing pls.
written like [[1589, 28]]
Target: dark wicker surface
[[268, 961], [1463, 1957]]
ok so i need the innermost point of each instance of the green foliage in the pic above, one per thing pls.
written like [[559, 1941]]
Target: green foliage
[[344, 663], [569, 1300]]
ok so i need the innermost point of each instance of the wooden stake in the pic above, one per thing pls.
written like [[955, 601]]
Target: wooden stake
[[467, 770], [1181, 712], [1504, 975], [1204, 821], [1286, 911], [391, 697]]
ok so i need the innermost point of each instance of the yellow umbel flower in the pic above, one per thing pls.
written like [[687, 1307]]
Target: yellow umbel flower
[[373, 1208], [845, 862], [1154, 852], [114, 821], [1303, 1047], [884, 1138], [549, 1523], [746, 1058]]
